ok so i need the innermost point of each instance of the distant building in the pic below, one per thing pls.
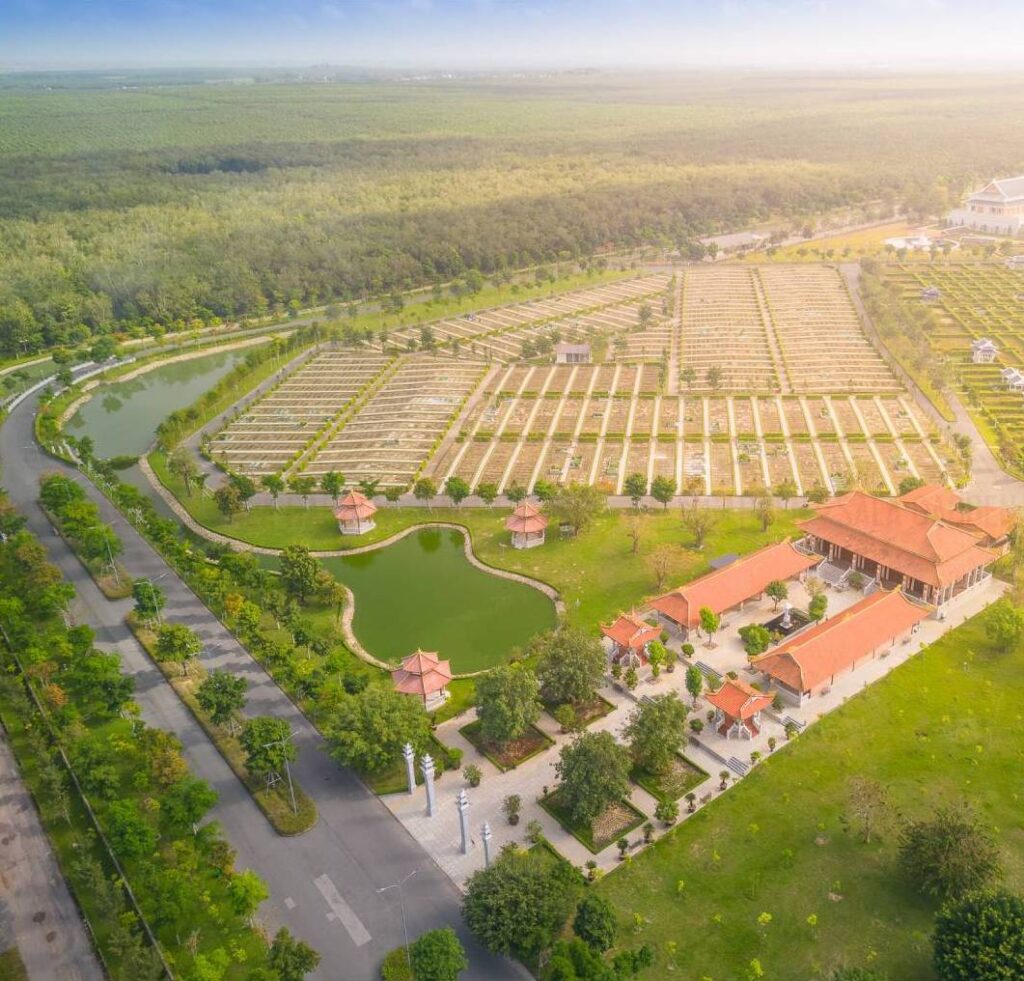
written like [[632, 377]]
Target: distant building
[[997, 208], [983, 351], [1013, 379], [930, 293], [566, 353]]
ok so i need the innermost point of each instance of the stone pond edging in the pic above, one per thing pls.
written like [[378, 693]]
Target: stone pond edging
[[350, 607]]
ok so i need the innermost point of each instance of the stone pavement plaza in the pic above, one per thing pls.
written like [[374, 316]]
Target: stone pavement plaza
[[440, 835]]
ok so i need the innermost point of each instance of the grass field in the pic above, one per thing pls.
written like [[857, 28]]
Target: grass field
[[597, 574], [944, 727]]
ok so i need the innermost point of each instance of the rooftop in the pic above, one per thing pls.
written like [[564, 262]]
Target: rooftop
[[738, 581], [526, 519], [738, 700], [816, 655], [898, 537], [1006, 189], [630, 631], [355, 506], [422, 673]]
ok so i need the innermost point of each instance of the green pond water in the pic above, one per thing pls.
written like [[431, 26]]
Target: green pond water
[[421, 592], [122, 417]]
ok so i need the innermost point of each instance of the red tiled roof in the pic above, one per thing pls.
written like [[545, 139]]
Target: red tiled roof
[[630, 631], [826, 649], [898, 537], [738, 700], [526, 519], [940, 502], [422, 673], [355, 507], [740, 580]]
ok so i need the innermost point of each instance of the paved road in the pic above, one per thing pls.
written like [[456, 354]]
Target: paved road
[[37, 912], [324, 883]]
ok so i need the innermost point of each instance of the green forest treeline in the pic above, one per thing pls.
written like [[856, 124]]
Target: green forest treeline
[[163, 204]]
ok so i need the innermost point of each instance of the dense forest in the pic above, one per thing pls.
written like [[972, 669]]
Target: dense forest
[[163, 203]]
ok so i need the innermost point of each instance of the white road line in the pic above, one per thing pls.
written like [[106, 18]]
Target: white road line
[[340, 910]]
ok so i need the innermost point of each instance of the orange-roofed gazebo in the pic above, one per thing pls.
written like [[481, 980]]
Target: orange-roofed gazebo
[[426, 675], [630, 636], [355, 514], [738, 709], [527, 525]]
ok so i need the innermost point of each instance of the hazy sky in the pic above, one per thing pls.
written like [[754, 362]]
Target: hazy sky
[[511, 33]]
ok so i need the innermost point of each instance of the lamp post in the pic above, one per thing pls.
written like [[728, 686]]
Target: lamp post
[[401, 902], [287, 769]]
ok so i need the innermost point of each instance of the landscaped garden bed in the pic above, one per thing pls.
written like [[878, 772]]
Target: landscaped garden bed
[[683, 776], [509, 755], [618, 819], [586, 712]]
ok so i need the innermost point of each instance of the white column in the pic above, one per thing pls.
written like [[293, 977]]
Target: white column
[[427, 765], [410, 766]]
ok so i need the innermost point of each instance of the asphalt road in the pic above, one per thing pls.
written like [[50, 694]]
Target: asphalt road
[[324, 884], [37, 913]]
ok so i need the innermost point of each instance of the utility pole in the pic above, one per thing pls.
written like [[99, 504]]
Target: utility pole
[[401, 902]]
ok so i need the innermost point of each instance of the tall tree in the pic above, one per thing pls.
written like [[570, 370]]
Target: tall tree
[[655, 732], [594, 772], [292, 959], [663, 489], [333, 483], [570, 666], [299, 572], [980, 938], [369, 729], [273, 484], [635, 488], [178, 644], [457, 489], [577, 505], [507, 702], [267, 745], [221, 696], [437, 956]]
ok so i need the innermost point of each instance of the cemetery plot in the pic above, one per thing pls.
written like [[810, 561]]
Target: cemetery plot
[[748, 454], [722, 478], [821, 417], [849, 422], [694, 459], [819, 333], [607, 474], [743, 414], [718, 417], [927, 467], [839, 470], [807, 465], [866, 467], [665, 460], [280, 425], [780, 469], [768, 410], [724, 332], [795, 418], [391, 436], [875, 421], [618, 414], [643, 416], [669, 415]]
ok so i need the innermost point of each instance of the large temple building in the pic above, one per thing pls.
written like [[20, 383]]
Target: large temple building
[[920, 543], [997, 208]]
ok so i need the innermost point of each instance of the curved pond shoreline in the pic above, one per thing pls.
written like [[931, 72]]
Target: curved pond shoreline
[[349, 613]]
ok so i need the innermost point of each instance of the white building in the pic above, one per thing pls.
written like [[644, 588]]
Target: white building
[[997, 208], [566, 353], [983, 351]]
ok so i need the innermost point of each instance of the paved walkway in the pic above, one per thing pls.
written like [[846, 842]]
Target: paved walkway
[[441, 835], [37, 912]]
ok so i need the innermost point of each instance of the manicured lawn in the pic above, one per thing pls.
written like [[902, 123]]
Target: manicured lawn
[[944, 727], [617, 820], [12, 968], [596, 574], [507, 756], [682, 778]]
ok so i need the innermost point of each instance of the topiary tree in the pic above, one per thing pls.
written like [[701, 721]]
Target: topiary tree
[[457, 490], [635, 488], [817, 607], [949, 854], [694, 682], [487, 492], [663, 489], [980, 938], [424, 490], [594, 772], [594, 922], [709, 622], [756, 639], [437, 956]]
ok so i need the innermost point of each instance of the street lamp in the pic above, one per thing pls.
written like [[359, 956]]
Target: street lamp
[[401, 902], [287, 769], [152, 593]]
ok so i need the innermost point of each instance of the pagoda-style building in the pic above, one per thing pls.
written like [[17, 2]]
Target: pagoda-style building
[[630, 637], [738, 709], [355, 514], [425, 675], [527, 525]]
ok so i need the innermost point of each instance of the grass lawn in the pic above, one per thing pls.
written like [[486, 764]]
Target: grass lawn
[[12, 968], [946, 726], [617, 820], [507, 756], [596, 574], [682, 778]]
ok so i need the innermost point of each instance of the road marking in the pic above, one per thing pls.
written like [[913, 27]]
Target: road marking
[[289, 902], [340, 910]]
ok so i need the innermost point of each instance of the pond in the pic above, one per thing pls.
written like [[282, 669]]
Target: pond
[[421, 592], [122, 417]]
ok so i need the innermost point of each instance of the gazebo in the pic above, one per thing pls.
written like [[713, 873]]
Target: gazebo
[[424, 674], [738, 709], [355, 514], [527, 525], [630, 636]]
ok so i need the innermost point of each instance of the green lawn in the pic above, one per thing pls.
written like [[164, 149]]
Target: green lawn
[[946, 726], [11, 966], [596, 574]]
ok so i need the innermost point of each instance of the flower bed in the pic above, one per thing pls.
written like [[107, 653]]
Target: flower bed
[[509, 755], [618, 819]]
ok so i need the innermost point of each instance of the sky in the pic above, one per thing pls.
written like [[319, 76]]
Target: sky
[[512, 34]]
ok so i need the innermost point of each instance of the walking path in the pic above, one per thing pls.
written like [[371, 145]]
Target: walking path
[[37, 912]]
